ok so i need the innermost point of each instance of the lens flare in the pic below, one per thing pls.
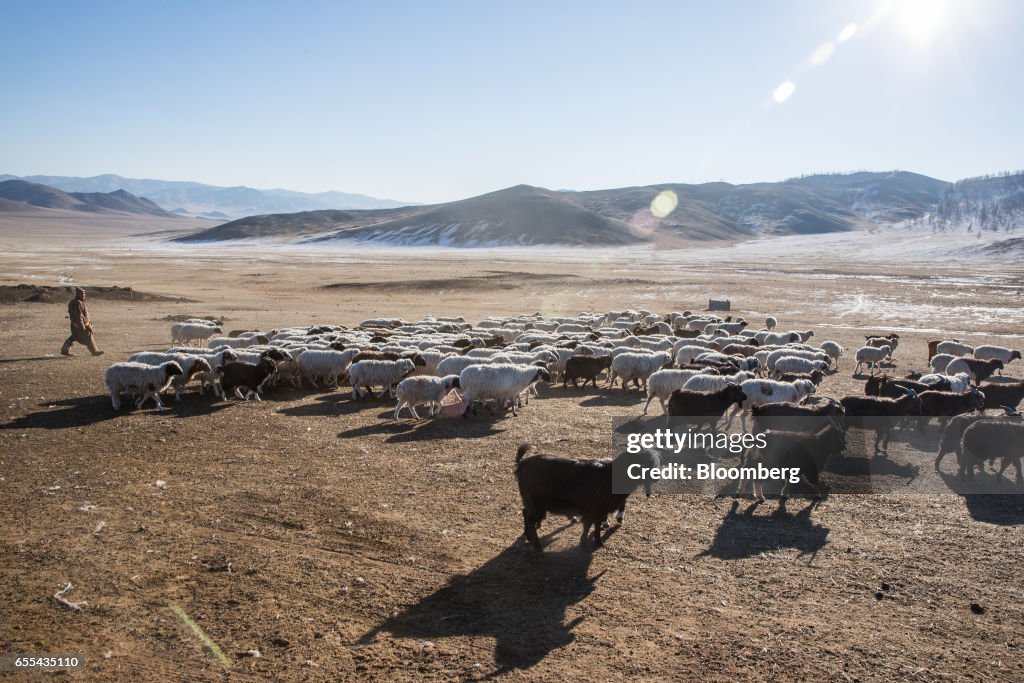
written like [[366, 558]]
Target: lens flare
[[823, 53], [643, 224], [664, 204], [849, 31], [783, 92]]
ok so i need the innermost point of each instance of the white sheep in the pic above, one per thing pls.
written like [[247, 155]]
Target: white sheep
[[833, 350], [662, 383], [139, 379], [776, 338], [191, 366], [954, 348], [958, 383], [186, 333], [637, 367], [789, 364], [792, 352], [499, 383], [325, 364], [762, 391], [686, 354], [454, 365], [989, 352], [233, 342], [419, 390], [872, 356], [939, 361], [770, 323], [386, 373], [715, 382]]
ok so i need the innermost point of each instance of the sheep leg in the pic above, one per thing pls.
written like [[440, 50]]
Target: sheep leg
[[412, 409], [758, 491], [398, 408], [115, 400], [650, 397]]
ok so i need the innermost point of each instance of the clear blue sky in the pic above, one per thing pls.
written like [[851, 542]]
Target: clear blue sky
[[432, 101]]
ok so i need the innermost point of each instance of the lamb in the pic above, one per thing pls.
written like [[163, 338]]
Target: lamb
[[807, 452], [788, 364], [833, 350], [186, 333], [977, 369], [987, 440], [880, 340], [586, 368], [954, 348], [770, 323], [637, 367], [872, 356], [881, 414], [190, 366], [706, 406], [500, 383], [324, 364], [988, 352], [559, 485], [1000, 394], [387, 373], [144, 381], [414, 391]]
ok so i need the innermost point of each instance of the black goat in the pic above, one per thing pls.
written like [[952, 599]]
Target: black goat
[[586, 368], [706, 406], [880, 414], [583, 488], [236, 375], [999, 394], [807, 452]]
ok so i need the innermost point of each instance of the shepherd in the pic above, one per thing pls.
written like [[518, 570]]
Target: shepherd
[[81, 326]]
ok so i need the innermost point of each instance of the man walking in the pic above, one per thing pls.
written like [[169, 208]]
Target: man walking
[[81, 325]]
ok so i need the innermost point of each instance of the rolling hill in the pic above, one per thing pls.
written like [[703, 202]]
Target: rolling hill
[[526, 215], [18, 195], [198, 199]]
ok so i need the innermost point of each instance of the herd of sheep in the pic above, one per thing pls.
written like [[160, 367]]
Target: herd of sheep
[[697, 366]]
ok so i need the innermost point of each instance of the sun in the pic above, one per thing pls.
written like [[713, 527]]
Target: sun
[[921, 20]]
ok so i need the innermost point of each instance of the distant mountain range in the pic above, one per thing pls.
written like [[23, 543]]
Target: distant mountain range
[[211, 201], [20, 195], [526, 215]]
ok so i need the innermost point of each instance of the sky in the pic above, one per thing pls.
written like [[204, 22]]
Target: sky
[[437, 101]]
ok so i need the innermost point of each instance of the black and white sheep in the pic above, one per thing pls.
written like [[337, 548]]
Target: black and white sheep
[[139, 379]]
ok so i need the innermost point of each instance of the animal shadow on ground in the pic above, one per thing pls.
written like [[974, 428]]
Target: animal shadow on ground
[[615, 397], [28, 360], [519, 598], [747, 535], [1004, 509], [406, 429], [72, 412]]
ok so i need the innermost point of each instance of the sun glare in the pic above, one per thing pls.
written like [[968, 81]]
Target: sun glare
[[921, 20]]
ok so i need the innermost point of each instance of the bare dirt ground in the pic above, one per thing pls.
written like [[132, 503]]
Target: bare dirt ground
[[343, 545]]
